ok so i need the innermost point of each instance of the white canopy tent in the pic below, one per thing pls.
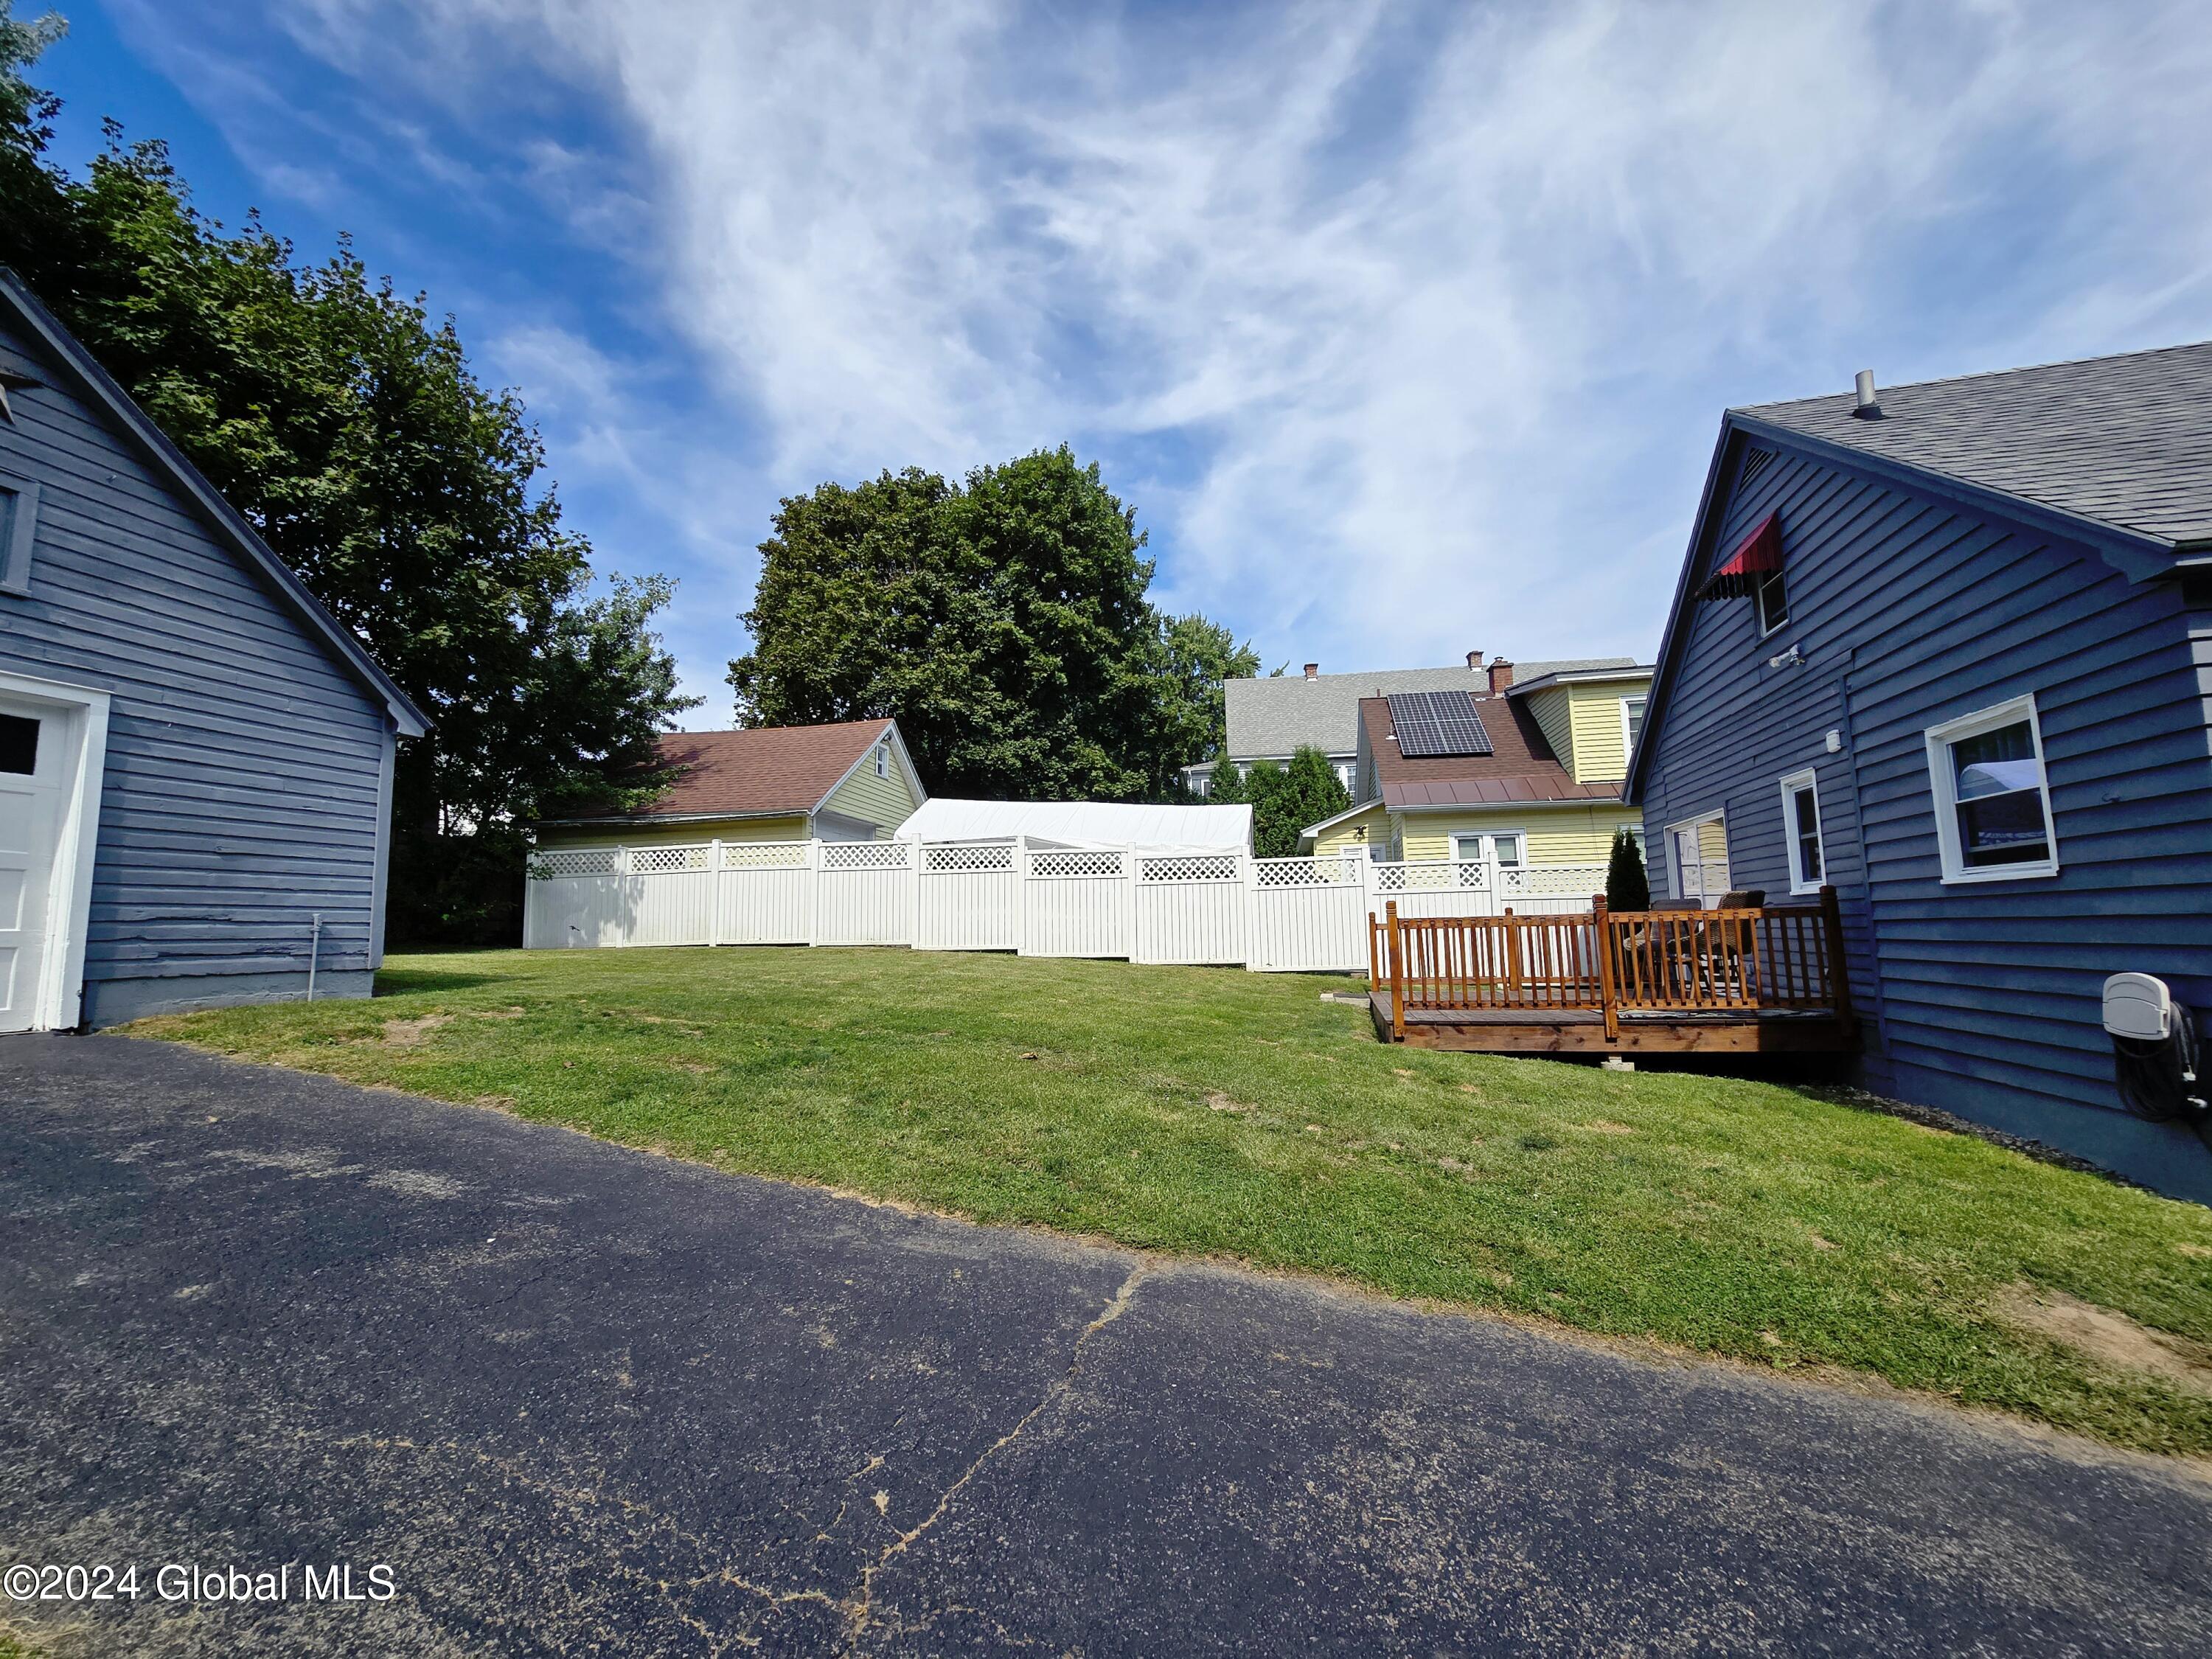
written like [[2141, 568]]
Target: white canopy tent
[[1083, 823]]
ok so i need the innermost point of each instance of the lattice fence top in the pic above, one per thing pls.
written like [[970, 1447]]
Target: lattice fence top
[[1160, 870], [954, 858], [765, 854], [1068, 865], [577, 861], [1554, 880], [1432, 877], [864, 855], [1272, 874], [660, 861]]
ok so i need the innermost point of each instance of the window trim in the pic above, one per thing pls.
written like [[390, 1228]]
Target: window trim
[[16, 556], [1628, 734], [1807, 780], [1758, 602], [1939, 738], [1491, 835]]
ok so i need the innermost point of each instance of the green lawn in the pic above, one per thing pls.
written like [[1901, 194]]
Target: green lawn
[[1218, 1113]]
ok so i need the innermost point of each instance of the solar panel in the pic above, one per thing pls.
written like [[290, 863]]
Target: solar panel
[[1437, 723]]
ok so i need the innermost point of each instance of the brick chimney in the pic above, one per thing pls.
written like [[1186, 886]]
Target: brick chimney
[[1501, 676], [1313, 671], [1474, 662]]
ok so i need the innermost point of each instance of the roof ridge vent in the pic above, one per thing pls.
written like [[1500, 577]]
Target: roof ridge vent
[[1869, 407]]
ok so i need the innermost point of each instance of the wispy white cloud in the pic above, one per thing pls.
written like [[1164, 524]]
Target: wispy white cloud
[[1407, 331]]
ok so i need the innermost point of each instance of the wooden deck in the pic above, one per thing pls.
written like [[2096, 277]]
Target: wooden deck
[[1582, 1031], [1763, 979]]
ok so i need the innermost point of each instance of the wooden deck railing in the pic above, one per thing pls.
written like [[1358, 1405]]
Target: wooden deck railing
[[1770, 957]]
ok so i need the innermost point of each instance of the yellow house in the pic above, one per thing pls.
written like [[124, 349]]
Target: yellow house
[[852, 780], [1525, 776]]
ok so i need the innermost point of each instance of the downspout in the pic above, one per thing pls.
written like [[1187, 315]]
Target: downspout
[[314, 950]]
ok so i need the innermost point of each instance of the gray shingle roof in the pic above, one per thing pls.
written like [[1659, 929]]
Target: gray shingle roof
[[2125, 440], [1274, 716]]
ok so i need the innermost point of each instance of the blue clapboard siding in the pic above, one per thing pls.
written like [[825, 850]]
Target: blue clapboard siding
[[1910, 611], [241, 794]]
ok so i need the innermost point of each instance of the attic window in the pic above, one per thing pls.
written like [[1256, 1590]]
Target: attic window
[[883, 760], [1755, 566]]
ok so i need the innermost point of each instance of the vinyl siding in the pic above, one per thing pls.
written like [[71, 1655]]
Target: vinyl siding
[[240, 796], [1370, 827], [1910, 611], [689, 833], [884, 802], [1553, 715], [1557, 835], [1601, 741]]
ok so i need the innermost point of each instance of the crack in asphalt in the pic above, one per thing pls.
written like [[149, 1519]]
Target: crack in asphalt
[[860, 1608]]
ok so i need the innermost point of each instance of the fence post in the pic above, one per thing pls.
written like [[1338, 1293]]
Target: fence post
[[714, 893], [1248, 869], [1397, 978], [1840, 978], [1136, 954], [1608, 997], [1021, 892], [813, 891]]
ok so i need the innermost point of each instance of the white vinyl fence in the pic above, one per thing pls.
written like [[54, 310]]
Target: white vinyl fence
[[1147, 905]]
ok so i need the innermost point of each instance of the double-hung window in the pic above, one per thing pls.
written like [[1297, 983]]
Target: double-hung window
[[883, 760], [1631, 722], [1993, 818], [1801, 832]]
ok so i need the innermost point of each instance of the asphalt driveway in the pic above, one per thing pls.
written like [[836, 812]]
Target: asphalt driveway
[[577, 1400]]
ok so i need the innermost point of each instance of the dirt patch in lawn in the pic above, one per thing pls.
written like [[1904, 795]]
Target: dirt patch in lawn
[[412, 1033], [2102, 1335]]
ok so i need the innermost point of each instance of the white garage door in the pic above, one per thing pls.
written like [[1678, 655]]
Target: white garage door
[[33, 763]]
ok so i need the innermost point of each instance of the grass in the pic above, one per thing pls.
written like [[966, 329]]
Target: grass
[[1218, 1113]]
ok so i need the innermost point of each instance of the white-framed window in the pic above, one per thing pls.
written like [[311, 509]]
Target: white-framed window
[[1992, 799], [1631, 722], [1801, 832], [1697, 856], [1508, 847], [883, 760], [1772, 597]]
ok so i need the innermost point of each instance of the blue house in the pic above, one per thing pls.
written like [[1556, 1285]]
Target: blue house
[[1949, 648], [195, 760]]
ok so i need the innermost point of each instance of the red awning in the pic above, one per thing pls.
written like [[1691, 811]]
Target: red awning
[[1756, 555]]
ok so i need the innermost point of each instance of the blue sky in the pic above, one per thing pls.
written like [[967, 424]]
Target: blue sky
[[1406, 328]]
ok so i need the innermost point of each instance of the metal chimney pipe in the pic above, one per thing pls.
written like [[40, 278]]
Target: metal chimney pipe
[[1313, 671], [1869, 407]]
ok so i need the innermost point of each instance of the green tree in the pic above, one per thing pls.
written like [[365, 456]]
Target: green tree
[[1227, 786], [1626, 886], [1002, 621], [348, 429], [1292, 798], [1263, 782]]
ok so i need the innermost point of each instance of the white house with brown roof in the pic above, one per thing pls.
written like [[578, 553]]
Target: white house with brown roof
[[852, 780]]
